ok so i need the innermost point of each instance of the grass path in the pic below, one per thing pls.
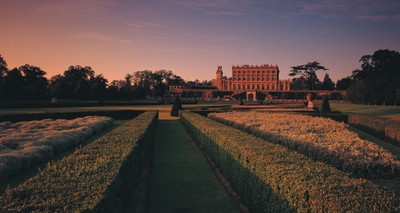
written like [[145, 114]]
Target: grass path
[[395, 150], [182, 179]]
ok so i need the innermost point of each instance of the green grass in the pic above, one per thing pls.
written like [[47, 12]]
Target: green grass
[[366, 109], [182, 179], [395, 150]]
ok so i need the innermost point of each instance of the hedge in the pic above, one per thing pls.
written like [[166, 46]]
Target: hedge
[[380, 127], [115, 114], [320, 139], [272, 178], [94, 178]]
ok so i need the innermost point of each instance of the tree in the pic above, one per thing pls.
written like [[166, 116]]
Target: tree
[[328, 84], [344, 83], [98, 87], [13, 84], [299, 83], [77, 80], [260, 96], [3, 72], [307, 71], [127, 86], [378, 79], [35, 82], [58, 86]]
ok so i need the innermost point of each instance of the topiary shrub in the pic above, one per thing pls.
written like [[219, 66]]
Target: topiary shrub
[[326, 108], [176, 107]]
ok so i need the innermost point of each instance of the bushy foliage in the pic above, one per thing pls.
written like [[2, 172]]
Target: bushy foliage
[[378, 79], [381, 127], [176, 107], [272, 178], [326, 107], [25, 143], [321, 139], [92, 179]]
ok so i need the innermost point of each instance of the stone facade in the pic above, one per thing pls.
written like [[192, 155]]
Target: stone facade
[[249, 78]]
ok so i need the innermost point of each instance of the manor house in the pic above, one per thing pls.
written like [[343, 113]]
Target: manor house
[[250, 78]]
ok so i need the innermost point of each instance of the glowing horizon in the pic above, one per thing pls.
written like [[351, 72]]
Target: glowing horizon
[[193, 37]]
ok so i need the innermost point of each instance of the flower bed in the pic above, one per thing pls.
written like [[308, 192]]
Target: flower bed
[[28, 142], [94, 178], [320, 139], [272, 178]]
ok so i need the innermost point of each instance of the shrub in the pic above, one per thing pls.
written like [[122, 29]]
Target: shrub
[[381, 127], [176, 107], [321, 139], [271, 178], [326, 108], [94, 178]]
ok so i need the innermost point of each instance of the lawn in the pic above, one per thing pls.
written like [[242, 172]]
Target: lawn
[[182, 179], [366, 109], [393, 184]]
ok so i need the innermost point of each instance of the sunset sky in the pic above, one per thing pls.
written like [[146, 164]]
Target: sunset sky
[[193, 37]]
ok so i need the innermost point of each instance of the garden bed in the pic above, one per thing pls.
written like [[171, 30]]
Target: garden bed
[[272, 178], [320, 139], [24, 144], [94, 178]]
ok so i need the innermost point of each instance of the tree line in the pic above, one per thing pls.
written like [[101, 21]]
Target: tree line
[[377, 81], [28, 82]]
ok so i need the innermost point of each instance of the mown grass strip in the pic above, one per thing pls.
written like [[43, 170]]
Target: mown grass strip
[[94, 178], [182, 179], [272, 178]]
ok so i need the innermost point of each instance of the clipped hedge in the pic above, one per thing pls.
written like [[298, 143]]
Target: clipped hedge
[[115, 114], [94, 178], [272, 178], [380, 127], [320, 139]]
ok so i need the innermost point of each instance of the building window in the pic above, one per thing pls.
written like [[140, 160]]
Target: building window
[[252, 86], [267, 86], [248, 86], [273, 87], [258, 86], [262, 87], [234, 86]]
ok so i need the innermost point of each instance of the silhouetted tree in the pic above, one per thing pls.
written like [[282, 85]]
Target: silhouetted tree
[[3, 72], [378, 79], [307, 71], [344, 83], [13, 84], [300, 83], [98, 87], [328, 84], [58, 86], [35, 82], [260, 96]]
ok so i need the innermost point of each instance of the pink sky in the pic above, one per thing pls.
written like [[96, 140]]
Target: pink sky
[[193, 37]]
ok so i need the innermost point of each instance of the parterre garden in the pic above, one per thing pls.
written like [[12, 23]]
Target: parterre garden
[[274, 161]]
